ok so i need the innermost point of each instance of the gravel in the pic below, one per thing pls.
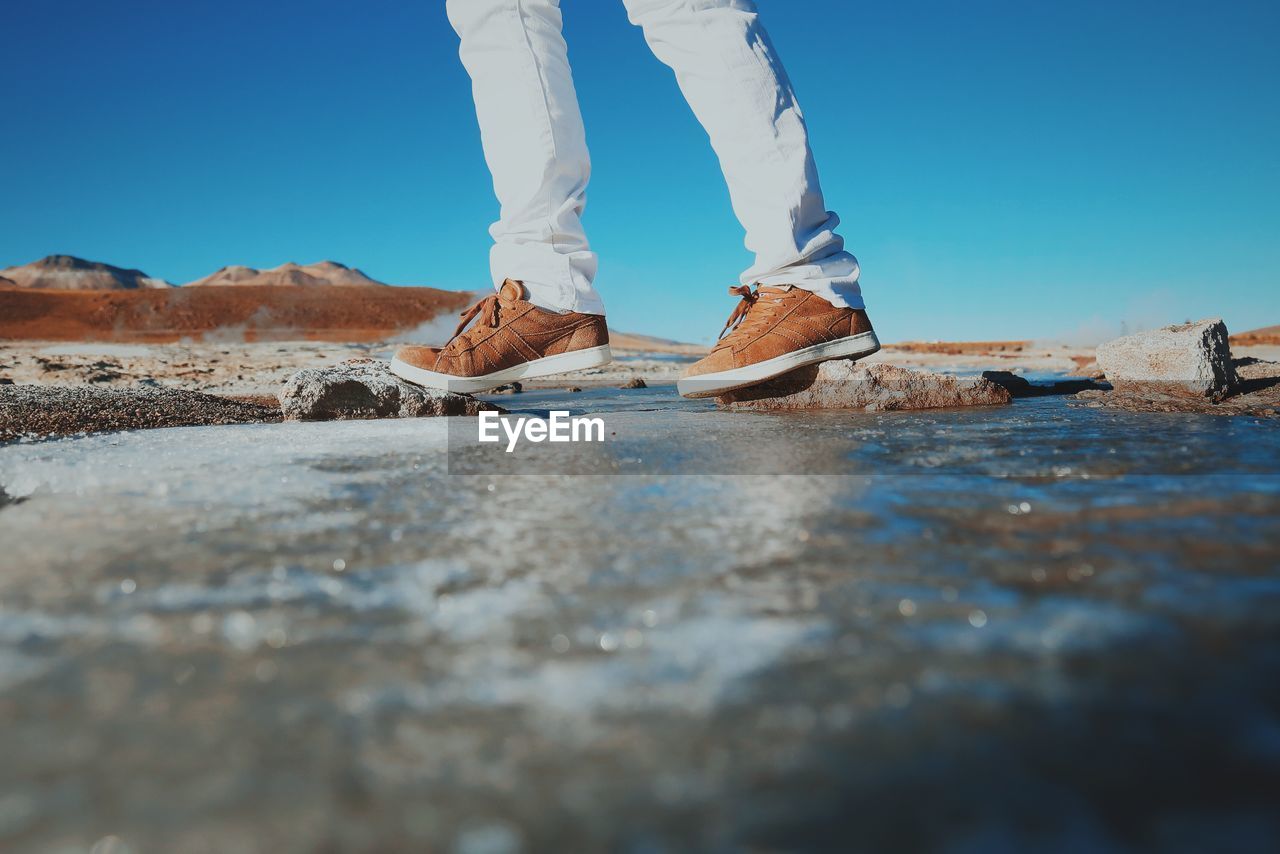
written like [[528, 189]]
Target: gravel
[[41, 411]]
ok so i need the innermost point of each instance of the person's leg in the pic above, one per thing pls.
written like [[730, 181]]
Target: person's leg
[[546, 317], [534, 144], [734, 82]]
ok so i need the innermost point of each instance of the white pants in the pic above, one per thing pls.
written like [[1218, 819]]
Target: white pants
[[536, 149]]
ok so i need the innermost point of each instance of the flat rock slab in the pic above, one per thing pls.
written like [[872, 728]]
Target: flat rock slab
[[844, 384], [1019, 386], [39, 410], [1154, 401], [1256, 393], [366, 388], [1188, 358]]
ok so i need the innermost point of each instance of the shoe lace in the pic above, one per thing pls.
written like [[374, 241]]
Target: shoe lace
[[753, 312], [486, 309]]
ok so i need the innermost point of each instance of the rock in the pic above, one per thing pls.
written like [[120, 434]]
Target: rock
[[1188, 358], [574, 388], [844, 384], [39, 410], [635, 382], [1262, 403], [509, 388], [1021, 387], [1256, 393], [1016, 386], [366, 388], [1251, 372]]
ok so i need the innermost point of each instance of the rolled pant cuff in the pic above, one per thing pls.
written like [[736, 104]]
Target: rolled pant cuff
[[555, 281], [834, 278]]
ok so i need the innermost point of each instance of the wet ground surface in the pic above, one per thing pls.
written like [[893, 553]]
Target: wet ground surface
[[1033, 627]]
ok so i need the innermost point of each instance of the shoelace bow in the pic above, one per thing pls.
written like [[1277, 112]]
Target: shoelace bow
[[486, 309], [743, 319]]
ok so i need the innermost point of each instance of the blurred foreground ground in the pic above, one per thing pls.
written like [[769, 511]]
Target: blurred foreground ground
[[1034, 627]]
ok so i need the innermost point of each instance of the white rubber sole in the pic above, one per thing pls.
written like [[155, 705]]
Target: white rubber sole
[[710, 385], [574, 360]]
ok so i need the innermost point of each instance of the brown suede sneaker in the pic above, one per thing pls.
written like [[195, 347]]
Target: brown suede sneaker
[[513, 340], [773, 331]]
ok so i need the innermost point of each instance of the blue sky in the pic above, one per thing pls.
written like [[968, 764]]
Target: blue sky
[[1002, 169]]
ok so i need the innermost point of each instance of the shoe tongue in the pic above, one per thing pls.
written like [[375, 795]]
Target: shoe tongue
[[772, 290], [511, 290]]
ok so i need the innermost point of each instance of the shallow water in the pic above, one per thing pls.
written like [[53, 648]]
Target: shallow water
[[1033, 626]]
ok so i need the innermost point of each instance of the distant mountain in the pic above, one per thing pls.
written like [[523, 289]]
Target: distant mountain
[[1267, 335], [650, 344], [323, 274], [68, 273]]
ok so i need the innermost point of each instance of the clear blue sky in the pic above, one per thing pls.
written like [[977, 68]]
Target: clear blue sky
[[1003, 169]]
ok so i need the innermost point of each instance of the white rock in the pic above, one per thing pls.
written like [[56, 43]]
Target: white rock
[[366, 388], [1192, 358]]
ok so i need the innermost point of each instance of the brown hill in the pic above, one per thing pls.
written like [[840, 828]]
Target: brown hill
[[650, 344], [959, 348], [68, 273], [249, 313], [323, 274], [1269, 335]]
